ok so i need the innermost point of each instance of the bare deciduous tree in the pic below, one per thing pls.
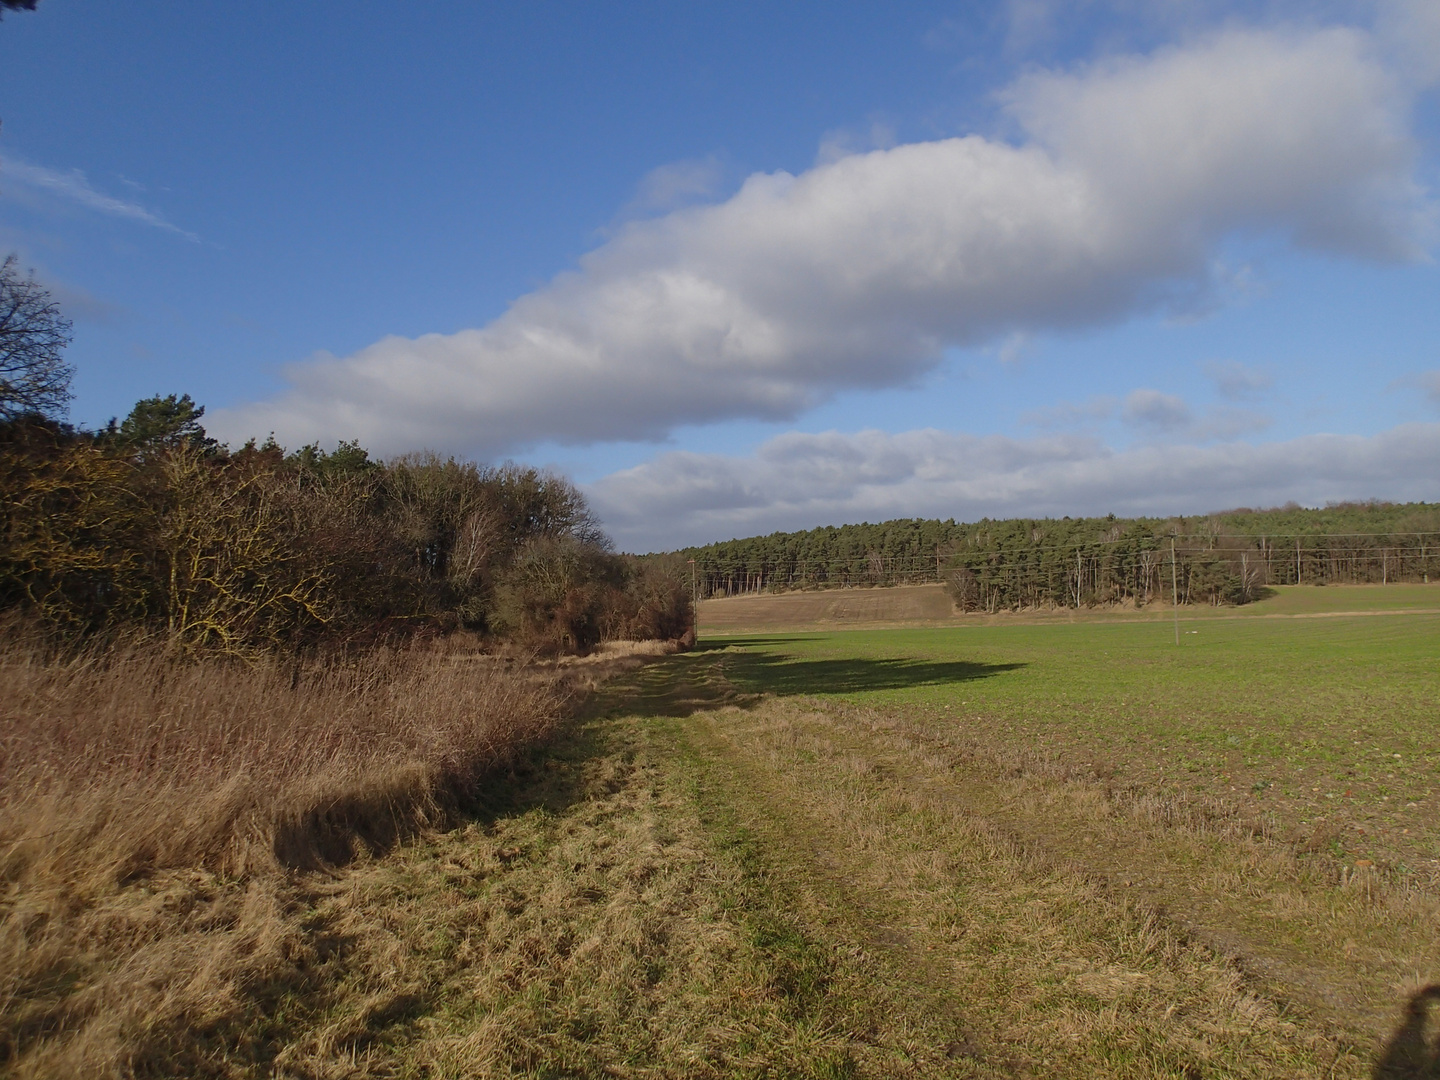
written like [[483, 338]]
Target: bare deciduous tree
[[34, 377]]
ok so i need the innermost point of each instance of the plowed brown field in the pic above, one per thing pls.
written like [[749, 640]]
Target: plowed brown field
[[830, 608]]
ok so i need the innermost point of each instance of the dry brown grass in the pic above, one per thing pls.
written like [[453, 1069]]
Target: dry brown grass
[[600, 932], [152, 815]]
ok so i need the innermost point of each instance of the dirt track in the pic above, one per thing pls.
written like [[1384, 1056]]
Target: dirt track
[[927, 605]]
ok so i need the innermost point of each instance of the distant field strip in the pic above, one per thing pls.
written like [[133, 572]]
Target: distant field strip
[[928, 605], [900, 604]]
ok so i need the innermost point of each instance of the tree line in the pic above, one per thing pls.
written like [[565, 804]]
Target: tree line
[[150, 525], [1081, 562]]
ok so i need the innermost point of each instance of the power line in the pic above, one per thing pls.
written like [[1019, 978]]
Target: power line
[[1021, 571], [1157, 538]]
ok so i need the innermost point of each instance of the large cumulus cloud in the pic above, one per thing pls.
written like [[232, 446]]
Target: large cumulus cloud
[[1120, 182]]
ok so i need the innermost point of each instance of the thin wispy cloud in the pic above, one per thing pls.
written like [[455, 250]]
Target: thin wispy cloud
[[1235, 381], [799, 481], [1072, 414], [72, 186], [1152, 414], [676, 184], [1228, 422], [1156, 410], [1426, 382], [1127, 179]]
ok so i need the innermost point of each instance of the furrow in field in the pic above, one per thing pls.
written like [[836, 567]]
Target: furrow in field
[[1047, 965]]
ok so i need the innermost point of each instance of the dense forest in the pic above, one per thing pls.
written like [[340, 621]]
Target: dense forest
[[1018, 563], [148, 525]]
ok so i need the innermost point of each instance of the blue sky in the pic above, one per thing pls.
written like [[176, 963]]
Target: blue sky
[[744, 267]]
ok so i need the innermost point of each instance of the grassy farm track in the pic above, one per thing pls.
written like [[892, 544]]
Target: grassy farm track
[[705, 882], [1066, 838], [741, 865]]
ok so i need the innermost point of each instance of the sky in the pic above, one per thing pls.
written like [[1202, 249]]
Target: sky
[[736, 268]]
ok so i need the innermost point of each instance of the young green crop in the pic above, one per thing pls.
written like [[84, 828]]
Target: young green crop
[[1329, 718]]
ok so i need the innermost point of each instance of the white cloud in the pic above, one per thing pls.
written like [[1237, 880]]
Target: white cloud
[[801, 481], [1411, 29], [1221, 136], [676, 184], [859, 272], [1237, 382], [73, 186], [1427, 382], [1152, 409]]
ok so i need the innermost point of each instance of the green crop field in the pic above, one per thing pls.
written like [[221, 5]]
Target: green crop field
[[1271, 784], [1320, 722]]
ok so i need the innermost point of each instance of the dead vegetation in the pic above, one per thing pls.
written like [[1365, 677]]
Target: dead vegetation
[[152, 813]]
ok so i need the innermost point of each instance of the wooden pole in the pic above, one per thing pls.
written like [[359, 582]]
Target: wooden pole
[[1174, 590], [694, 603]]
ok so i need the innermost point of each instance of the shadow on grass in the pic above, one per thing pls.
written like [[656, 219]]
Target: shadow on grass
[[1410, 1054], [739, 671], [776, 674], [715, 675], [550, 776]]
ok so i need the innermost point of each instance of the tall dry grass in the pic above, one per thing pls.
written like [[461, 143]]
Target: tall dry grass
[[152, 814]]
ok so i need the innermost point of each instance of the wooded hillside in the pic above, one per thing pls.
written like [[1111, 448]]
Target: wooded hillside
[[993, 565]]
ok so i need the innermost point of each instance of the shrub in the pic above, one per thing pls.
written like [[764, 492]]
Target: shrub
[[150, 526]]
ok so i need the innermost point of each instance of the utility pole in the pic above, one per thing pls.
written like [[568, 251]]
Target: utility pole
[[694, 604], [1174, 590]]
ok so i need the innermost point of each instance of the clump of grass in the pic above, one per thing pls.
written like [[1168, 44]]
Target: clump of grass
[[152, 813]]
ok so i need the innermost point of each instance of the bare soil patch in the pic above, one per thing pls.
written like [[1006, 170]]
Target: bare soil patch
[[828, 608]]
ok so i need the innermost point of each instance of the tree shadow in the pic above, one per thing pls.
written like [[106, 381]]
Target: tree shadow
[[696, 681], [726, 643], [787, 676], [1410, 1054], [712, 676]]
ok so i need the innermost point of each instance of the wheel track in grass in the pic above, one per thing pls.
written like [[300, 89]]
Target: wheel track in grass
[[1337, 961], [1212, 869], [805, 784]]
